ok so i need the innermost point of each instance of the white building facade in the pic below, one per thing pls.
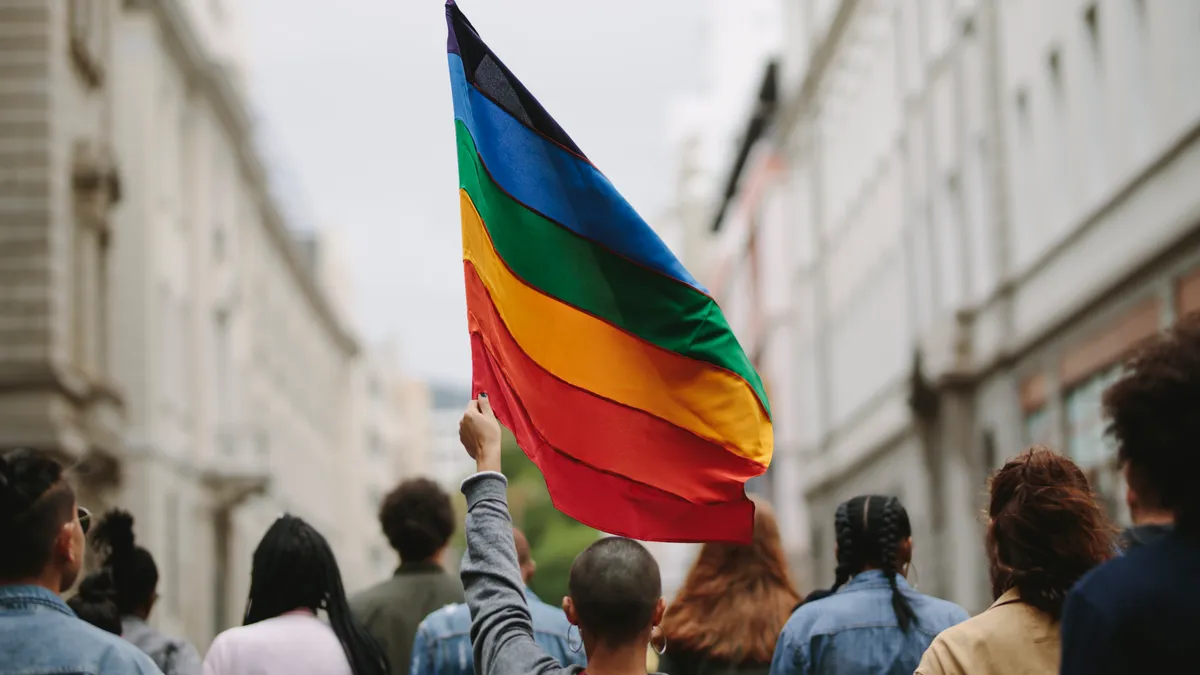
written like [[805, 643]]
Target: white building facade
[[162, 329], [388, 445], [962, 216], [448, 464]]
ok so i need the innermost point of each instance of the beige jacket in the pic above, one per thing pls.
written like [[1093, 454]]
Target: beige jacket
[[1010, 638]]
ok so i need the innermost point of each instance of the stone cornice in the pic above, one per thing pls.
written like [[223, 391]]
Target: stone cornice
[[206, 77]]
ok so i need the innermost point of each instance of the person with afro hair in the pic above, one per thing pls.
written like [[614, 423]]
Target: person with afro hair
[[1140, 613], [418, 520]]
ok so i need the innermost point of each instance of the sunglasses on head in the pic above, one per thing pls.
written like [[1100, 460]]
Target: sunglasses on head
[[85, 519]]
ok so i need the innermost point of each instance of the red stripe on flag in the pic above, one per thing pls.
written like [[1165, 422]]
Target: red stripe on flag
[[609, 502]]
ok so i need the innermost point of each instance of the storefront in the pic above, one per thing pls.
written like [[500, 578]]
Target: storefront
[[1064, 381]]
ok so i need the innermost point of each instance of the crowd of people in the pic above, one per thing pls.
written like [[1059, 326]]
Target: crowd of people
[[1072, 595]]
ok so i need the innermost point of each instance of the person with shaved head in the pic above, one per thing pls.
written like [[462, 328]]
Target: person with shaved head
[[443, 643]]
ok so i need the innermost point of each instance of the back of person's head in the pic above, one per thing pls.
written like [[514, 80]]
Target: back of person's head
[[524, 555], [294, 568], [736, 598], [1045, 530], [873, 532], [37, 520], [134, 574], [96, 601], [418, 519], [1152, 415], [615, 594]]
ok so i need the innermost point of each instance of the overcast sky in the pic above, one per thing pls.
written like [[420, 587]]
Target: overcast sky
[[356, 94]]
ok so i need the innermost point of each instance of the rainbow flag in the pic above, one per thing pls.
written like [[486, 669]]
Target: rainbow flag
[[615, 370]]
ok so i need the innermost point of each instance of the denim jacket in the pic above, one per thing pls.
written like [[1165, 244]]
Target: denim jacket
[[443, 644], [172, 655], [40, 635], [855, 631]]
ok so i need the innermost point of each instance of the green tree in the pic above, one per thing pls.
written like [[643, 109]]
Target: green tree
[[554, 538]]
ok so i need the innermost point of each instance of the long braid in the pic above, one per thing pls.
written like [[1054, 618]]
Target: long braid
[[889, 543], [848, 557], [294, 568], [365, 655]]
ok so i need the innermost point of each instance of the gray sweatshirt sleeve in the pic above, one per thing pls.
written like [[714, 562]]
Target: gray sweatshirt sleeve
[[501, 627]]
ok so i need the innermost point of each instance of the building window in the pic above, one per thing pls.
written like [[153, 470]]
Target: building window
[[1087, 444], [89, 39], [1037, 427], [218, 243], [1141, 76], [1092, 103], [375, 446]]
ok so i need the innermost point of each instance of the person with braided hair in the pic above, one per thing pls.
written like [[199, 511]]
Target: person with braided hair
[[135, 585], [294, 575], [873, 622], [42, 547], [1045, 530]]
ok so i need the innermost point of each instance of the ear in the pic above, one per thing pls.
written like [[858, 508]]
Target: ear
[[660, 610], [569, 609], [64, 543], [904, 551]]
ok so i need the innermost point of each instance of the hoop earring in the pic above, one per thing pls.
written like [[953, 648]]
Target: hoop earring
[[658, 651], [571, 643]]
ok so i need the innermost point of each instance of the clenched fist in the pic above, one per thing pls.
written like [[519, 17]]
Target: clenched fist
[[479, 432]]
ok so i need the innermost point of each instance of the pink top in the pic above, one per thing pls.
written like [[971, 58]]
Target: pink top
[[296, 643]]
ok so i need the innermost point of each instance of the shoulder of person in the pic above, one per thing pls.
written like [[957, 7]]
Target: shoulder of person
[[943, 610], [811, 617], [122, 657], [371, 598], [1109, 582], [448, 620]]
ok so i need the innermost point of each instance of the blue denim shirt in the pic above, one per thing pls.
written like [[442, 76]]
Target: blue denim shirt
[[855, 631], [443, 644], [40, 635]]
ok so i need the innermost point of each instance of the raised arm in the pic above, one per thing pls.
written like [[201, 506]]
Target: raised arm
[[501, 627]]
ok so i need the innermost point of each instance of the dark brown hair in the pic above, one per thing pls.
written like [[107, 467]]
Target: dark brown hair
[[1152, 415], [35, 502], [736, 598], [870, 529], [418, 519], [1046, 531]]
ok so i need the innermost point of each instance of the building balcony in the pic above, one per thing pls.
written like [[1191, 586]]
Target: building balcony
[[241, 466]]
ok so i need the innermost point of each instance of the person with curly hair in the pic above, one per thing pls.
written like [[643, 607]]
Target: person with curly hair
[[418, 519], [873, 622], [96, 601], [1045, 530], [733, 604], [1140, 612], [135, 584]]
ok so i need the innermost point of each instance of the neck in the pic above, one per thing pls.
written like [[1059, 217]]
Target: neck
[[625, 660], [1154, 518], [46, 580]]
